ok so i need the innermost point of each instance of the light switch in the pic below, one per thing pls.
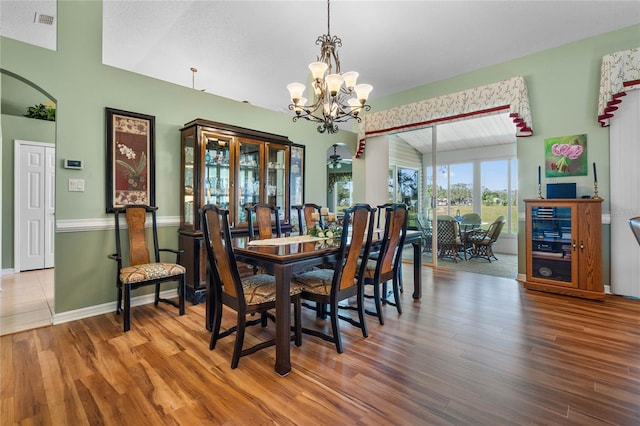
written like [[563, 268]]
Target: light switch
[[76, 185]]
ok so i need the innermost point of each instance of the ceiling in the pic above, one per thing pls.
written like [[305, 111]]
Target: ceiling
[[250, 50]]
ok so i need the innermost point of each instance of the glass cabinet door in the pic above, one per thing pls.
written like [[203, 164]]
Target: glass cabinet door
[[188, 155], [552, 244], [217, 175], [277, 179], [248, 181], [296, 179]]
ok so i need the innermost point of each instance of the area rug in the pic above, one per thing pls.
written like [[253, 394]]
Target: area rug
[[506, 266]]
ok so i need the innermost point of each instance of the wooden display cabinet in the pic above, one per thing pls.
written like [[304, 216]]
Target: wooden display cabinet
[[229, 166], [564, 247]]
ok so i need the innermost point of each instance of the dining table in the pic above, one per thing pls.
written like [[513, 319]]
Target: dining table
[[283, 257]]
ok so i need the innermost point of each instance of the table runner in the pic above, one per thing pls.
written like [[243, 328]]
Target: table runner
[[283, 241]]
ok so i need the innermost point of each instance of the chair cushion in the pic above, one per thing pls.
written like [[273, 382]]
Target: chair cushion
[[149, 271], [371, 267], [261, 288], [317, 281]]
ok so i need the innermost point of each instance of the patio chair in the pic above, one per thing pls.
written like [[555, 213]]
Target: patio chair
[[427, 233], [483, 240], [449, 244]]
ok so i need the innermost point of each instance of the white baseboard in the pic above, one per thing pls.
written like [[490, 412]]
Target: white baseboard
[[9, 271], [105, 308]]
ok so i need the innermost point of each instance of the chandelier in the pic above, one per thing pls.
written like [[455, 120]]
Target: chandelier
[[337, 96], [334, 160]]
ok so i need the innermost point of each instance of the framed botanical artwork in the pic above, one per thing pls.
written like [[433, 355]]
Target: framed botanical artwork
[[566, 156], [130, 159]]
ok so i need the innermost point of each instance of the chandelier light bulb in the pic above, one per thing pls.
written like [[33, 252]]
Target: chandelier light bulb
[[362, 92], [334, 81], [350, 79], [318, 69], [296, 90]]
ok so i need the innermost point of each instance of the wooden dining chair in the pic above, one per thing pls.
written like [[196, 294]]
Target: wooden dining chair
[[254, 294], [386, 266], [304, 217], [381, 213], [143, 270], [266, 216], [327, 287]]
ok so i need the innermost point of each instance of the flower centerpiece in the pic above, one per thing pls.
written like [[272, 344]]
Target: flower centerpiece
[[332, 231]]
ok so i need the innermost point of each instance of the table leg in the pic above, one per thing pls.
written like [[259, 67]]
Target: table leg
[[283, 319], [417, 273]]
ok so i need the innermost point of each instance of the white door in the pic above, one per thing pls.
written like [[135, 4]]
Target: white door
[[34, 205]]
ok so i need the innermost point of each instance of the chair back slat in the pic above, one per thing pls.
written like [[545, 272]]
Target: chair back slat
[[263, 219], [394, 235], [138, 248], [223, 266], [360, 218], [263, 214]]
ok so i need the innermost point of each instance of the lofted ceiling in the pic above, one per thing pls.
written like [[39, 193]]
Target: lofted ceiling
[[250, 50]]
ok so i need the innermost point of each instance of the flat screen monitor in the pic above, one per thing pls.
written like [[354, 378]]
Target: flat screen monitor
[[561, 190]]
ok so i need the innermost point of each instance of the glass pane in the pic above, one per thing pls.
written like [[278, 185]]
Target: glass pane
[[408, 182], [495, 180], [442, 193], [249, 177], [461, 189], [551, 243], [344, 193], [216, 171], [187, 205], [276, 178], [297, 169], [513, 201], [392, 185]]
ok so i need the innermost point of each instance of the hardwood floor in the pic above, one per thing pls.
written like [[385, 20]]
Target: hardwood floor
[[475, 350]]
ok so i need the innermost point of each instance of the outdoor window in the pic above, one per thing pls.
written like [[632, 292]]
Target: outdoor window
[[404, 186], [491, 191]]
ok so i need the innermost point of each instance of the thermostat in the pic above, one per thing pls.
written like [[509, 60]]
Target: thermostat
[[73, 164]]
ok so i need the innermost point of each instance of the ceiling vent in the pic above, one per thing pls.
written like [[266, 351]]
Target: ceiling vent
[[43, 19]]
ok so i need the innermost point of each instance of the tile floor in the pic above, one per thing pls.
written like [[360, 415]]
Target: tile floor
[[26, 300]]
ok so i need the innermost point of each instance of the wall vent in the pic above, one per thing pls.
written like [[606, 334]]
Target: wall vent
[[43, 19]]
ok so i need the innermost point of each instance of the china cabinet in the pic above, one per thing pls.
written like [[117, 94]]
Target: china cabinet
[[229, 166], [564, 247]]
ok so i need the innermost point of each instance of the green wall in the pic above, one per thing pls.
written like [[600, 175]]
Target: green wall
[[563, 85], [82, 87]]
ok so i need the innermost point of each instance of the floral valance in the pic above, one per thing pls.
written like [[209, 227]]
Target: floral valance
[[508, 95], [620, 73]]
